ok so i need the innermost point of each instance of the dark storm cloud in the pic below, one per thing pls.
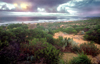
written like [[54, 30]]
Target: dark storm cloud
[[8, 1], [49, 2], [92, 9], [41, 2]]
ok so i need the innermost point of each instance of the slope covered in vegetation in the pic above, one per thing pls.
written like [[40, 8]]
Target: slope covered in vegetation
[[34, 43]]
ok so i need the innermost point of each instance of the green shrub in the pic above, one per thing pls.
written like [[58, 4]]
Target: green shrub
[[61, 61], [33, 45], [79, 29], [76, 49], [59, 41], [90, 49], [50, 54], [40, 27], [11, 26], [70, 30], [67, 42], [81, 59], [74, 31], [20, 34], [41, 49], [37, 33], [74, 26], [60, 38], [51, 32], [93, 34], [3, 44], [85, 37], [6, 35], [36, 43], [70, 40], [50, 38]]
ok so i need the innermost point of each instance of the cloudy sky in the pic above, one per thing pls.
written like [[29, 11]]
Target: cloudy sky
[[72, 7]]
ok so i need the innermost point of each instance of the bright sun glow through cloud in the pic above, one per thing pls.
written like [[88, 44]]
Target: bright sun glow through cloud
[[24, 6], [15, 4]]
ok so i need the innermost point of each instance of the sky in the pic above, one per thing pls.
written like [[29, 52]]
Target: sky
[[72, 7]]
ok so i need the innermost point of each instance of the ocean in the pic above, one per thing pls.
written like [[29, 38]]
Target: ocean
[[30, 17]]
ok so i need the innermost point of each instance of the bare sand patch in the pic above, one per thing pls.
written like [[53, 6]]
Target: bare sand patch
[[68, 56], [77, 38]]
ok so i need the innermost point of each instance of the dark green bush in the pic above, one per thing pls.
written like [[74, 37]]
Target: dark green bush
[[40, 27], [51, 32], [74, 31], [93, 34], [3, 44], [20, 34], [50, 55], [9, 54], [11, 26], [41, 49], [37, 33], [50, 39], [45, 50], [76, 49], [61, 61], [81, 59], [6, 35], [69, 30], [90, 49], [79, 28], [59, 41]]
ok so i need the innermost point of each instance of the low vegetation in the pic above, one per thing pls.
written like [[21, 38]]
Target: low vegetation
[[87, 48], [90, 49], [81, 59], [20, 44]]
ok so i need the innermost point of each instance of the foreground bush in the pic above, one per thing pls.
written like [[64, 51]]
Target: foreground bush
[[81, 59], [89, 49], [93, 34], [61, 61], [42, 51], [9, 54], [50, 55]]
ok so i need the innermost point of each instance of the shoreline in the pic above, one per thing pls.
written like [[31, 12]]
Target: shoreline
[[39, 21]]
